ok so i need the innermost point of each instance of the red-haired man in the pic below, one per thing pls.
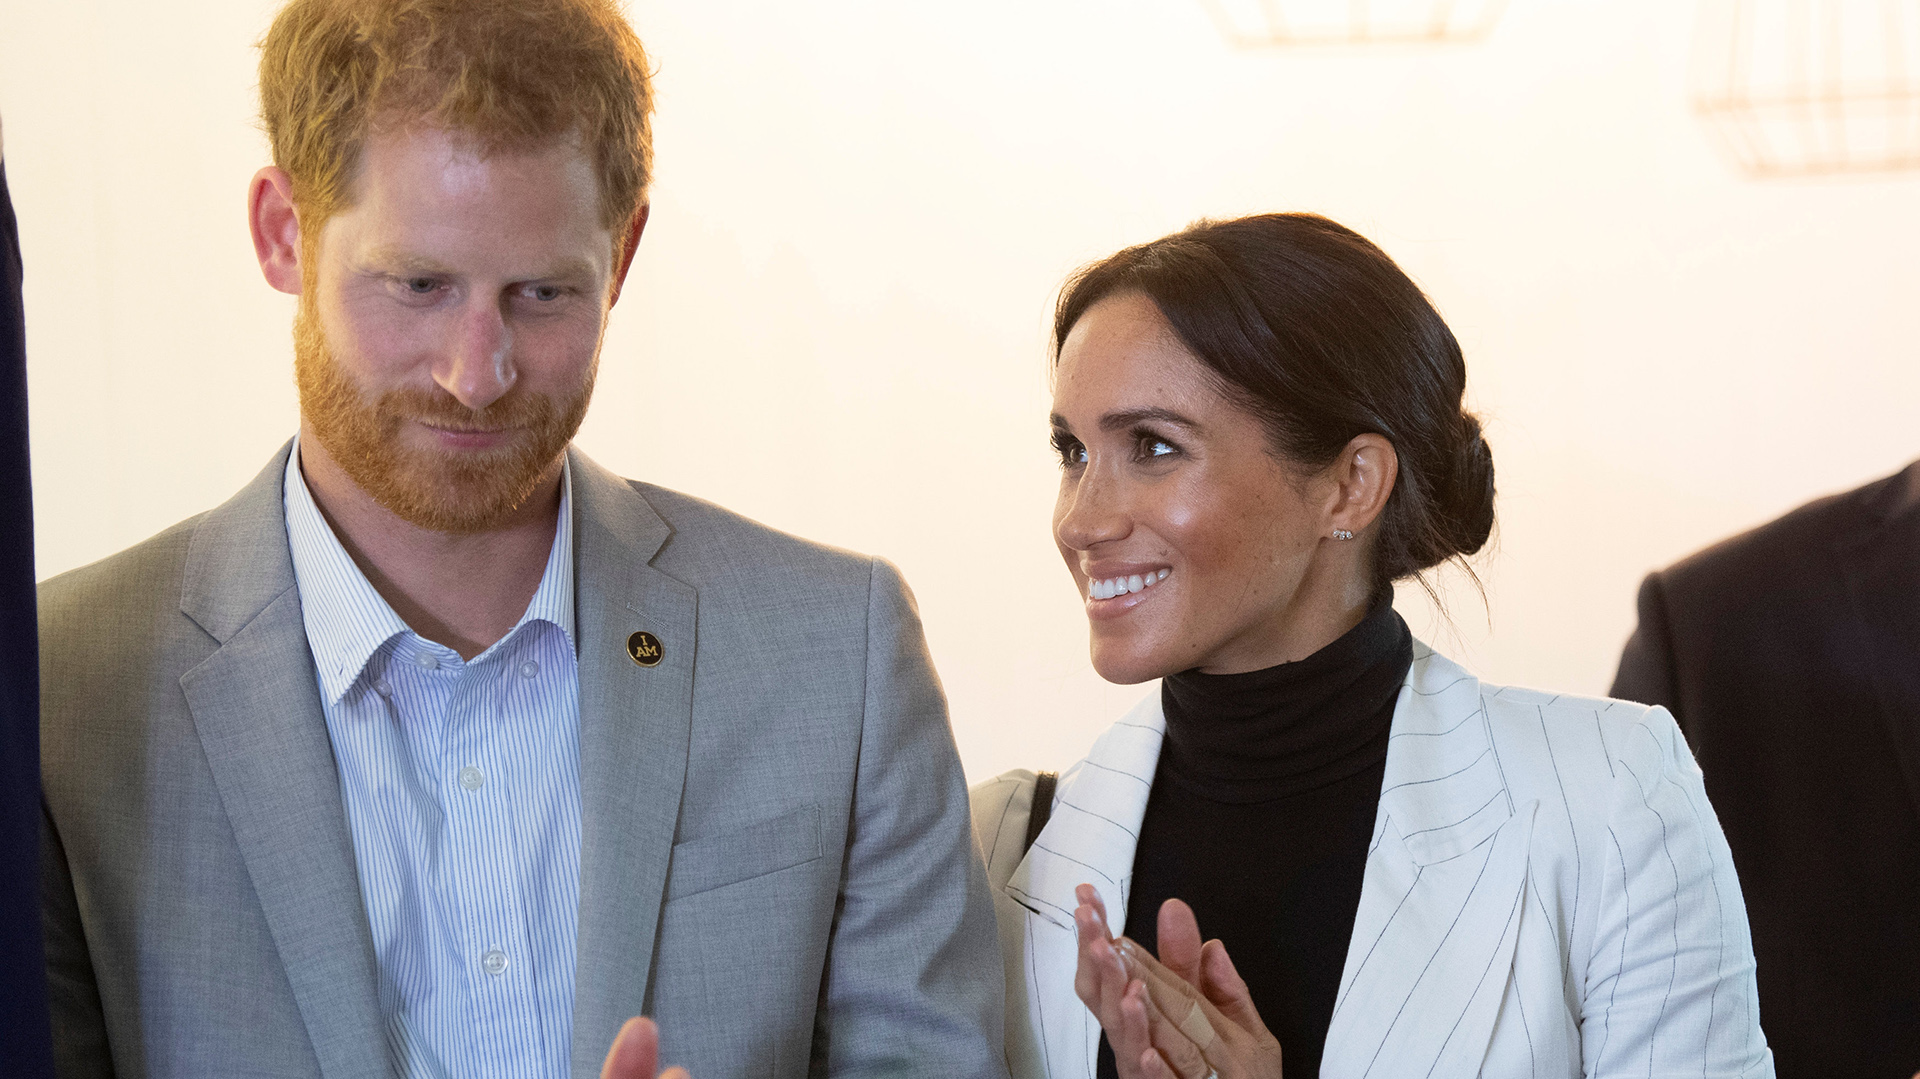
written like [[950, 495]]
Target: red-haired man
[[441, 751]]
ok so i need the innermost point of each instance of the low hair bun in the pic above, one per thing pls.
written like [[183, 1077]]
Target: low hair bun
[[1442, 504], [1465, 507]]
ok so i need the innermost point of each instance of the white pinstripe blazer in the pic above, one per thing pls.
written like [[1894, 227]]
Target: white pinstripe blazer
[[1547, 893]]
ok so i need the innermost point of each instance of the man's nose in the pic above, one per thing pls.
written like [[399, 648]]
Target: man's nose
[[478, 368]]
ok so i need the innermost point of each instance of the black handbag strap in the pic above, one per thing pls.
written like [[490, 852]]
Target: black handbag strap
[[1043, 784]]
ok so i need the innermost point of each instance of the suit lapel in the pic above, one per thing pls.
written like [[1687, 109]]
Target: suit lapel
[[1882, 570], [635, 728], [1090, 838], [1439, 904], [1095, 826], [256, 706]]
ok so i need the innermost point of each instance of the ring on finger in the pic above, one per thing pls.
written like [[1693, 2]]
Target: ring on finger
[[1212, 1072]]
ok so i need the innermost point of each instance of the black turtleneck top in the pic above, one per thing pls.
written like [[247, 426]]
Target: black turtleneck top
[[1259, 818]]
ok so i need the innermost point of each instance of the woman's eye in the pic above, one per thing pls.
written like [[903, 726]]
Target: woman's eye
[[545, 293], [421, 286], [1156, 447], [1072, 453]]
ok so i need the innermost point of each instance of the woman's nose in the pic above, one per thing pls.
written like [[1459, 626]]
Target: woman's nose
[[478, 368], [1090, 512]]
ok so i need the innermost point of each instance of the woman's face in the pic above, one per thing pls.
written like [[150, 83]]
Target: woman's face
[[1192, 543]]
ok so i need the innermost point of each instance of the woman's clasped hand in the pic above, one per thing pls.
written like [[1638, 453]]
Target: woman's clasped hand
[[1186, 1013]]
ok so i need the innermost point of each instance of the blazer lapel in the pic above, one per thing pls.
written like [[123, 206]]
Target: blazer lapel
[[1089, 839], [256, 706], [635, 727], [1439, 903], [1882, 570]]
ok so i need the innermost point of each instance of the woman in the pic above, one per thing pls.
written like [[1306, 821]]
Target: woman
[[1409, 872]]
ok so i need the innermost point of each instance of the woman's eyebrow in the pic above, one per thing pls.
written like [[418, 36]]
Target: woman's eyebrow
[[1120, 421]]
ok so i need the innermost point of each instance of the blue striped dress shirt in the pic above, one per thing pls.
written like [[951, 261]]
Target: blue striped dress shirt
[[461, 780]]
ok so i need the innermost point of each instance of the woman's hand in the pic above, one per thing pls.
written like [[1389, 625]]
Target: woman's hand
[[1190, 1016], [1115, 997], [1199, 982]]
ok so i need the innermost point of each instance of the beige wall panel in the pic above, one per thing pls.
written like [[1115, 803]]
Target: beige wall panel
[[837, 322]]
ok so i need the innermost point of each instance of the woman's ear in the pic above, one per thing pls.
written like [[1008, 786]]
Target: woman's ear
[[1363, 475]]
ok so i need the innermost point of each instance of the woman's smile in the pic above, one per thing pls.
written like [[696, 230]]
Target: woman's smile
[[1112, 596]]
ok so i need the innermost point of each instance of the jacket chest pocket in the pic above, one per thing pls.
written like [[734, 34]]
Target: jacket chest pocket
[[768, 846]]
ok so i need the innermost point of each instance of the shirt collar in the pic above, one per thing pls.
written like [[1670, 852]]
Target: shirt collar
[[347, 620]]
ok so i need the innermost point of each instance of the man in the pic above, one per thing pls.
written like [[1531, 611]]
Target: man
[[441, 751], [23, 996], [1791, 657]]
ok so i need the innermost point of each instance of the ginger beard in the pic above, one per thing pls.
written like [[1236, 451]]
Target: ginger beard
[[460, 493]]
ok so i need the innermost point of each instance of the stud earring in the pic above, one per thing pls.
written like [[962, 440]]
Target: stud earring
[[1342, 534]]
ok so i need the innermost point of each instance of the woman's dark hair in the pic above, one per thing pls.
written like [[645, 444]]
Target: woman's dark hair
[[1314, 329]]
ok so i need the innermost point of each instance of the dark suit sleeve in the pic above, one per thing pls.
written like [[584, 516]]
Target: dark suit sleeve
[[80, 1050], [23, 1001], [1646, 664], [913, 984]]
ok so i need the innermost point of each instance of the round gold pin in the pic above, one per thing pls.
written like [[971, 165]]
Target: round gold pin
[[644, 649]]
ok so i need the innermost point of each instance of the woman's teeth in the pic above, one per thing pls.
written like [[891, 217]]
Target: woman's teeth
[[1120, 586]]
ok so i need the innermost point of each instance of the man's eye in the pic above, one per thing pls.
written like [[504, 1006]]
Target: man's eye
[[421, 286], [545, 293]]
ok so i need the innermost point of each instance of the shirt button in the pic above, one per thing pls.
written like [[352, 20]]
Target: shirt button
[[494, 962], [427, 661], [529, 669], [381, 687], [472, 778]]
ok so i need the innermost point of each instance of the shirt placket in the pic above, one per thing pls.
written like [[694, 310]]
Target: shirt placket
[[548, 817], [496, 952]]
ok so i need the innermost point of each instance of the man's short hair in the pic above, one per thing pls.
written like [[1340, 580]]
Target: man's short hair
[[508, 74]]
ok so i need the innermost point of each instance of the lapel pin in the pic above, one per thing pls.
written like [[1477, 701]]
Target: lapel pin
[[644, 648]]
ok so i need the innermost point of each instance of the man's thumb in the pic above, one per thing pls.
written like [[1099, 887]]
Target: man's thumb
[[635, 1053]]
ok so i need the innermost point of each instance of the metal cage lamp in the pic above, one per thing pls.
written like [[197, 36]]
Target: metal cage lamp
[[1809, 87], [1264, 23]]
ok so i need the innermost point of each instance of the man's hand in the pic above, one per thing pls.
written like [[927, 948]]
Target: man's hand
[[636, 1053]]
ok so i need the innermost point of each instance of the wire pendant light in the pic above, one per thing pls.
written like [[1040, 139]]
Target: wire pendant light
[[1264, 23], [1806, 87]]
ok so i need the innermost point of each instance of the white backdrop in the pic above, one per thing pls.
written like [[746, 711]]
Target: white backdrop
[[837, 321]]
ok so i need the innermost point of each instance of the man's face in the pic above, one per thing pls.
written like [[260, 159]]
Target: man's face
[[450, 324]]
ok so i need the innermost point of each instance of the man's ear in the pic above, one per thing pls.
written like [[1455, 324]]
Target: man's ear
[[634, 228], [276, 228]]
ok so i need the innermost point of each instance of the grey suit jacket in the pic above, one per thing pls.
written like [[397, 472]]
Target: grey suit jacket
[[776, 861]]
